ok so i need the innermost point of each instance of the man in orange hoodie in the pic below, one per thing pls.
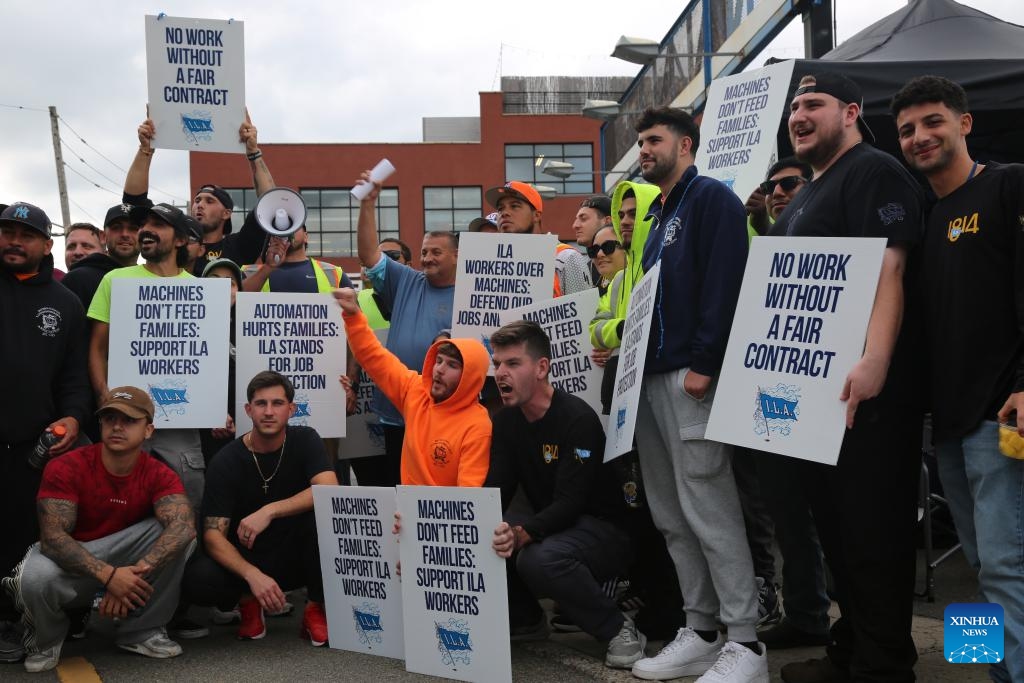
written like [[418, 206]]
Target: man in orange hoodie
[[448, 433]]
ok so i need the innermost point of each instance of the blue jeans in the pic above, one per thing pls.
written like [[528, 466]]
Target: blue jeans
[[985, 490]]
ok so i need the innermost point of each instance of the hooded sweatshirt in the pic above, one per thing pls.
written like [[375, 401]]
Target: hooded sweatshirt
[[45, 345], [446, 443], [84, 277], [606, 327]]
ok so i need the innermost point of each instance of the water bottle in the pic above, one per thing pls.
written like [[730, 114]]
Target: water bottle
[[41, 453], [633, 485]]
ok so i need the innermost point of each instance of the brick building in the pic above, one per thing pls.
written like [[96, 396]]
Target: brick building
[[440, 182]]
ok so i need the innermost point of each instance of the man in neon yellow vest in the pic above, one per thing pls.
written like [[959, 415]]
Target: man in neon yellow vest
[[286, 268]]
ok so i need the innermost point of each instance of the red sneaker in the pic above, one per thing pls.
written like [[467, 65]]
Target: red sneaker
[[314, 623], [252, 627]]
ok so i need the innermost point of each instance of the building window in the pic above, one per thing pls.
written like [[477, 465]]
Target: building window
[[524, 162], [450, 208], [332, 216], [245, 201]]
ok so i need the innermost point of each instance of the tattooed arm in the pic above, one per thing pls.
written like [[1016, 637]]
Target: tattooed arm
[[57, 519], [262, 587], [175, 514]]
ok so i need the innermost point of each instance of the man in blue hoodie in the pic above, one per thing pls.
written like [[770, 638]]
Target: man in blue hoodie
[[699, 234]]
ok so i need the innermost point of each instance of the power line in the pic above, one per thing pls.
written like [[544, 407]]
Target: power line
[[19, 106], [102, 175], [90, 180], [79, 207]]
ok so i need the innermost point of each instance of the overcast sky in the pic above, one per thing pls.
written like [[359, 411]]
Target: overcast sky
[[315, 72]]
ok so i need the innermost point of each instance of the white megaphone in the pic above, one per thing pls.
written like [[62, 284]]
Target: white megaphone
[[280, 212]]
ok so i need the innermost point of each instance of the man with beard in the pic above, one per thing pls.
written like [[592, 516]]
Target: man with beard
[[973, 235], [259, 531], [212, 205], [699, 236], [121, 239], [521, 210], [858, 191], [286, 268], [46, 386], [421, 309]]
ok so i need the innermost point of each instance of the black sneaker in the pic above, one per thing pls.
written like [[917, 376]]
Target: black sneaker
[[11, 636], [814, 671], [784, 635], [186, 629], [78, 623], [528, 632], [561, 623], [767, 603]]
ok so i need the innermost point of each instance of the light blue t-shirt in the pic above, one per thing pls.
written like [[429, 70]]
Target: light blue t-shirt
[[419, 312]]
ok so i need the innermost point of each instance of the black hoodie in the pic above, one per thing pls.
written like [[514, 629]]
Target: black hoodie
[[44, 347], [84, 277]]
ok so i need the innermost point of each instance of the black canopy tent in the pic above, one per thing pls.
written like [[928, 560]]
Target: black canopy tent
[[944, 38]]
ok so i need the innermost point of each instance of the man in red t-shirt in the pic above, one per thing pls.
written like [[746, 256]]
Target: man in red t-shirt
[[112, 518]]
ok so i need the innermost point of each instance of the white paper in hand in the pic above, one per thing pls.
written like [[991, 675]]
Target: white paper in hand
[[381, 172]]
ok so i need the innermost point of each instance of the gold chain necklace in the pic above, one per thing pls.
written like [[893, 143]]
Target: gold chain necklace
[[266, 480]]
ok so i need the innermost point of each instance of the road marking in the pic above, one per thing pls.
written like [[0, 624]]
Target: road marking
[[77, 670]]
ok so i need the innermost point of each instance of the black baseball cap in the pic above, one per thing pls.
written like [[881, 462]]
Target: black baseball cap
[[173, 216], [119, 211], [27, 214], [223, 197], [843, 89]]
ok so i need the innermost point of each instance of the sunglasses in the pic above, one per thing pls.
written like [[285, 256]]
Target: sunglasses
[[393, 254], [608, 248], [788, 184]]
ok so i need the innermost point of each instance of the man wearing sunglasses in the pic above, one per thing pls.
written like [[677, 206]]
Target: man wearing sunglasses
[[785, 178]]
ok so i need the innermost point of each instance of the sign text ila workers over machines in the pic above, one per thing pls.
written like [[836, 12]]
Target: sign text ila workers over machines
[[358, 557], [302, 337], [169, 336], [454, 595], [498, 272], [566, 321], [196, 73], [737, 133], [799, 329]]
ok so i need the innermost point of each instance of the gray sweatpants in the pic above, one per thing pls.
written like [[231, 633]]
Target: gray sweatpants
[[182, 450], [693, 500], [42, 590]]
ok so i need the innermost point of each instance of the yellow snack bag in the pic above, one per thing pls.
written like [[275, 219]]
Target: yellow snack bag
[[1011, 444]]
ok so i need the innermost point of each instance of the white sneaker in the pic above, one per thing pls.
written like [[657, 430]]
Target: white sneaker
[[157, 646], [43, 660], [232, 616], [687, 655], [627, 648], [738, 664]]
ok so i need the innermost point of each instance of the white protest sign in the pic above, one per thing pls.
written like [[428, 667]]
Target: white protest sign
[[741, 119], [302, 337], [169, 336], [358, 557], [566, 320], [632, 358], [454, 595], [364, 434], [498, 272], [196, 74], [799, 328]]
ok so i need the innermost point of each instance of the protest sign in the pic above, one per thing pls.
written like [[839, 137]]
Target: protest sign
[[302, 337], [364, 434], [499, 272], [566, 320], [170, 337], [196, 74], [799, 328], [629, 376], [741, 119], [358, 557], [454, 595]]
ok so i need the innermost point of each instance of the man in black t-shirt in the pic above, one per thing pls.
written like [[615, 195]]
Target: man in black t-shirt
[[858, 191], [258, 526], [551, 444], [974, 293]]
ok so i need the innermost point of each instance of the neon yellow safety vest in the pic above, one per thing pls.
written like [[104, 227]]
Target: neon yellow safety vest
[[323, 282]]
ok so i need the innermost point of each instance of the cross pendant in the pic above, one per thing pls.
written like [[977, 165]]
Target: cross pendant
[[265, 487]]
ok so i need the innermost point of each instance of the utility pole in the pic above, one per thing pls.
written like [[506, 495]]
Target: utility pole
[[62, 183]]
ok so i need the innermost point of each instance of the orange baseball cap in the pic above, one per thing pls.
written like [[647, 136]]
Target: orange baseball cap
[[514, 188]]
